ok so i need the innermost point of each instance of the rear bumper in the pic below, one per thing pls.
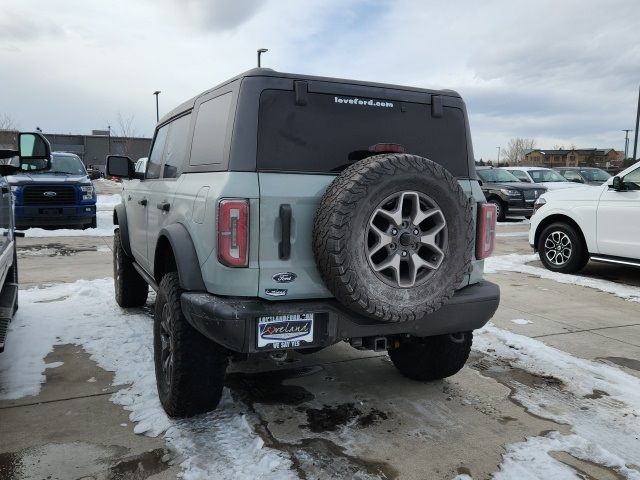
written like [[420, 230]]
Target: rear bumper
[[231, 322], [54, 215]]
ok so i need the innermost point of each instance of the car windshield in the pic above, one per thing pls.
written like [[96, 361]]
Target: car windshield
[[546, 176], [494, 175], [67, 164], [595, 175]]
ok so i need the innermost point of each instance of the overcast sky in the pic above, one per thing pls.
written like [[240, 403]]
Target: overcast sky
[[563, 72]]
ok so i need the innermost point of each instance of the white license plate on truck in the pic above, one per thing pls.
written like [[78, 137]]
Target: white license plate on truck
[[285, 331]]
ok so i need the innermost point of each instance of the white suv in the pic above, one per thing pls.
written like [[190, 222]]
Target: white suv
[[602, 223], [548, 178]]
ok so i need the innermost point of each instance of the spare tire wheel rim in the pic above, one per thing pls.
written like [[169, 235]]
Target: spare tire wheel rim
[[406, 239]]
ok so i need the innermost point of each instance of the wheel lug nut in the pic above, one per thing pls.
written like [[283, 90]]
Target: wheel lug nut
[[394, 231], [416, 231], [404, 253]]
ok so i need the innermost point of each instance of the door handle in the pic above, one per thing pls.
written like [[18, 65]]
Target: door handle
[[284, 247], [164, 206], [143, 202], [128, 197]]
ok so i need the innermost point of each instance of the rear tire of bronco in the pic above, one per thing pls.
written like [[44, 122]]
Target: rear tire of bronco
[[131, 289], [432, 358], [393, 237], [190, 368]]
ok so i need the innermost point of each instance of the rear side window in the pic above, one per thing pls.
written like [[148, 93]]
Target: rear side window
[[176, 147], [155, 157], [210, 131], [330, 132]]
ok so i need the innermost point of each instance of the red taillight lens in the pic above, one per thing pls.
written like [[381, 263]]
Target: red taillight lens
[[387, 148], [486, 240], [233, 232]]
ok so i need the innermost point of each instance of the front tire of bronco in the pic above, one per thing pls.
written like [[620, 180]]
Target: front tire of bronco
[[190, 369], [131, 289], [432, 358]]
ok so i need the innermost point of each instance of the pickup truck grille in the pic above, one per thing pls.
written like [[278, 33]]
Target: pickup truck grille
[[49, 195]]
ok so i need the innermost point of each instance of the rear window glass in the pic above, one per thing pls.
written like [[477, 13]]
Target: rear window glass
[[210, 131], [330, 132]]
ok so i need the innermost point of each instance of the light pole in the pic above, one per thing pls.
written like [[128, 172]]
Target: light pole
[[635, 142], [109, 136], [626, 141], [156, 93], [498, 155], [260, 52]]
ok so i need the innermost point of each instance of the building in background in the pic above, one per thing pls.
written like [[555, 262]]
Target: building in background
[[92, 149], [580, 157]]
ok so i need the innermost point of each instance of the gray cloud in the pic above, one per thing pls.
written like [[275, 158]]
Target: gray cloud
[[220, 15], [21, 28]]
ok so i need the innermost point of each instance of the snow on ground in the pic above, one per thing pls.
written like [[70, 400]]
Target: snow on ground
[[107, 202], [521, 321], [516, 221], [220, 444], [518, 263], [512, 234], [601, 403]]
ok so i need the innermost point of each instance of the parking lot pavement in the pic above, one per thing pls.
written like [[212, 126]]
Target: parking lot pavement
[[551, 389]]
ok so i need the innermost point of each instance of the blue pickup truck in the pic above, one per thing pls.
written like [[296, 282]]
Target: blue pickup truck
[[61, 197]]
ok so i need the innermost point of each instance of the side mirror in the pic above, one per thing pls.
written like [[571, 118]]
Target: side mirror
[[33, 154], [479, 182], [120, 166], [618, 184]]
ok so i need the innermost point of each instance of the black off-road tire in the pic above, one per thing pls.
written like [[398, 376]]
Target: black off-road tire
[[131, 289], [339, 238], [579, 254], [500, 210], [195, 382], [432, 358]]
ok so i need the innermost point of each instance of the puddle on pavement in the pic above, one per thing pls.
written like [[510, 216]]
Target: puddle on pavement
[[631, 363], [331, 418], [321, 458], [64, 461], [55, 250], [268, 388]]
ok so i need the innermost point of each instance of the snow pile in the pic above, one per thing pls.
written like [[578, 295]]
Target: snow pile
[[219, 444], [521, 321], [601, 403], [105, 229], [518, 263]]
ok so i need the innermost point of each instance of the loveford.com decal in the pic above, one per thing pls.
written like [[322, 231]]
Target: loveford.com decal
[[360, 101], [285, 331]]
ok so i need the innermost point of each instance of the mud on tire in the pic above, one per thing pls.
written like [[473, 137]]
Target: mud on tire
[[432, 358], [131, 289], [190, 369], [350, 225]]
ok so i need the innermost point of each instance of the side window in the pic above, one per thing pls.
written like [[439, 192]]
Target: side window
[[176, 147], [632, 179], [520, 175], [210, 131], [571, 175], [155, 157]]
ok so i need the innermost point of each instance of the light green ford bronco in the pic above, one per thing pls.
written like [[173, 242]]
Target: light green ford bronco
[[282, 212]]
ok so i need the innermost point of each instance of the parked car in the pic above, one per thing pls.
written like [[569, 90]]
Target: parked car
[[511, 197], [602, 224], [61, 197], [586, 175], [32, 152], [295, 224], [548, 178], [94, 173]]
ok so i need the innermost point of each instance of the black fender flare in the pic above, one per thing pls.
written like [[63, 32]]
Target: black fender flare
[[185, 256], [120, 220]]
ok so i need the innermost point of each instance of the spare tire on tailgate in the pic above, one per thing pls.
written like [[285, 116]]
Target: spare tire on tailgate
[[393, 237]]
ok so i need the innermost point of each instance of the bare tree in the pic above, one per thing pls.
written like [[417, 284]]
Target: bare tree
[[125, 129], [7, 122], [517, 148]]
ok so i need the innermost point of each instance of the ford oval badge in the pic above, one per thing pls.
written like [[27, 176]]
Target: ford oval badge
[[284, 277]]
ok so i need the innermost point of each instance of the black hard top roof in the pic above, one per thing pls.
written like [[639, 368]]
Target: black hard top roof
[[268, 72]]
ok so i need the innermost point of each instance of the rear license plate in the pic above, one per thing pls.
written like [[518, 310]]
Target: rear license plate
[[285, 331]]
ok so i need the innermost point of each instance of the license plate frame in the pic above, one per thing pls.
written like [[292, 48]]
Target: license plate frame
[[277, 332]]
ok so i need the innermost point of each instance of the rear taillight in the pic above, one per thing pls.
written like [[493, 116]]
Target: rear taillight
[[233, 232], [486, 240]]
